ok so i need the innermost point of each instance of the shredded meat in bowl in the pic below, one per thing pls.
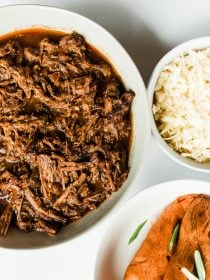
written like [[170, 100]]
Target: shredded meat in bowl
[[65, 129]]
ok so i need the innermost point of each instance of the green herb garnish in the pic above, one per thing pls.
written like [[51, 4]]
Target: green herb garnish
[[136, 232], [199, 265], [174, 238]]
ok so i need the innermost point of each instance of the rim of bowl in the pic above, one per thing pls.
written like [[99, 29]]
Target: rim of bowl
[[124, 196], [194, 44]]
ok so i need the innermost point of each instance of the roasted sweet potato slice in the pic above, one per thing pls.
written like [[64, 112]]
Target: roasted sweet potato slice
[[153, 256], [194, 235]]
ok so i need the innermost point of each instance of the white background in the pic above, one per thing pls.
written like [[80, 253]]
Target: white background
[[147, 29]]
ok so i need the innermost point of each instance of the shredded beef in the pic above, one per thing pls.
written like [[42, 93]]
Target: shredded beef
[[64, 133]]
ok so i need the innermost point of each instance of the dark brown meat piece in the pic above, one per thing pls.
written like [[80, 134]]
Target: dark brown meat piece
[[64, 132], [73, 44]]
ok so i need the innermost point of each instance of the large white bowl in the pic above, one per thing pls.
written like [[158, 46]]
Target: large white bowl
[[195, 44], [26, 16]]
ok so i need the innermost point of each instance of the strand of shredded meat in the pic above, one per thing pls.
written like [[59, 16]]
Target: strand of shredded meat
[[64, 133]]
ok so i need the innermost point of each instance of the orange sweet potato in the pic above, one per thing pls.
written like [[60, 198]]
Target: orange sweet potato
[[153, 256]]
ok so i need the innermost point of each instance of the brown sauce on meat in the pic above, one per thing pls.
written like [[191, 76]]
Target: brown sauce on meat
[[32, 37], [65, 129]]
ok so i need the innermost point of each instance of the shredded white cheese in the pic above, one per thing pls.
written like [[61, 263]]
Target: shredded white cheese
[[182, 104]]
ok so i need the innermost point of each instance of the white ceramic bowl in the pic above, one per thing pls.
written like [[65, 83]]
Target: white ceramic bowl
[[200, 43], [27, 16]]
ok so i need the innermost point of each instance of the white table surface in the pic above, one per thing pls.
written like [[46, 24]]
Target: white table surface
[[147, 29]]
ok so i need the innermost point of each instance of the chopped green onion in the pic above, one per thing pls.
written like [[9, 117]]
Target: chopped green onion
[[136, 232], [174, 238], [199, 265], [188, 274]]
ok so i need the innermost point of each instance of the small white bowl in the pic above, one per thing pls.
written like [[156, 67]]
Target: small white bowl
[[27, 16], [195, 44]]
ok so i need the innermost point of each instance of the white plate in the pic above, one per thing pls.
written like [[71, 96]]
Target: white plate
[[114, 253]]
